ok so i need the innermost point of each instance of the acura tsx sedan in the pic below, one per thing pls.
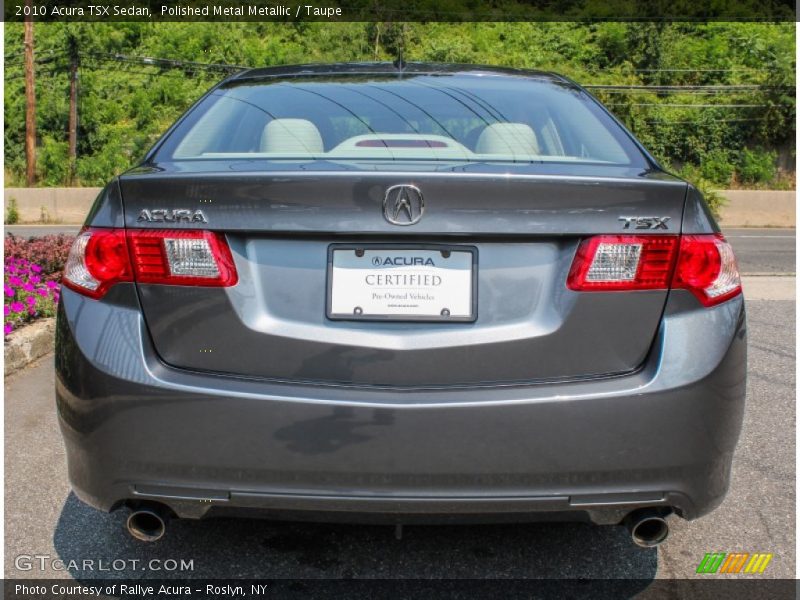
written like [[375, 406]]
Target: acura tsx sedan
[[401, 293]]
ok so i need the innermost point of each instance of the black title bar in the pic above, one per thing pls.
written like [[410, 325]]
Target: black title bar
[[401, 10]]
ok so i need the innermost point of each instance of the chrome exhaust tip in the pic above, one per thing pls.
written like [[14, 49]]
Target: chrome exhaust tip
[[147, 523], [648, 527]]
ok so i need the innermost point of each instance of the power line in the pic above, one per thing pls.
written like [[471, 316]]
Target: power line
[[48, 72], [680, 88], [38, 52], [161, 63], [683, 92], [697, 122], [149, 74], [730, 70], [37, 61], [165, 62], [55, 70], [689, 105]]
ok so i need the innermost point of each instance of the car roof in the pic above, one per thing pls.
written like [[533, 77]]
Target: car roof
[[388, 68]]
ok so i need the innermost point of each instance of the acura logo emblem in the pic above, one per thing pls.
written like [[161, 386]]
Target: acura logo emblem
[[403, 205]]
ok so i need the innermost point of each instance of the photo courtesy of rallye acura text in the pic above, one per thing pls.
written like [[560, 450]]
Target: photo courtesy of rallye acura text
[[426, 294]]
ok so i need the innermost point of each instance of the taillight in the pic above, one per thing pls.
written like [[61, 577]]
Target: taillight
[[99, 258], [181, 258], [707, 268], [623, 262], [702, 264]]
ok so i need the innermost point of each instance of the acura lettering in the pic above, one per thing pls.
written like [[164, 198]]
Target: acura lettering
[[179, 215], [402, 261]]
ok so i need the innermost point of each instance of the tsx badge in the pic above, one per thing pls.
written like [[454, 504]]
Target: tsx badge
[[644, 222]]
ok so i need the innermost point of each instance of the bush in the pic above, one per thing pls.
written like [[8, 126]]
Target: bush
[[28, 294], [12, 213], [52, 162], [784, 181], [49, 252], [32, 276], [756, 166], [693, 175], [717, 167]]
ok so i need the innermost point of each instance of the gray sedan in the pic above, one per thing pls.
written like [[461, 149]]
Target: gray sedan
[[411, 293]]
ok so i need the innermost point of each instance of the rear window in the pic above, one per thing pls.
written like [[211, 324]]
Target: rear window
[[420, 117]]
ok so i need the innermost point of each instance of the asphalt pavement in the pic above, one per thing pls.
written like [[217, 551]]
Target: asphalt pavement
[[43, 517], [763, 251]]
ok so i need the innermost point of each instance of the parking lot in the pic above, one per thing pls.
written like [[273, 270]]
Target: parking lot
[[42, 516]]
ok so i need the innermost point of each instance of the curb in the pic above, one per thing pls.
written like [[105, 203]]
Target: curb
[[769, 288], [33, 341]]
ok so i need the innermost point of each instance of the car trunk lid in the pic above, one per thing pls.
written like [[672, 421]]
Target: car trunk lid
[[522, 230]]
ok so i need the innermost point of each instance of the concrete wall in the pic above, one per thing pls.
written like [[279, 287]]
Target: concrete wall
[[759, 208], [60, 205], [745, 208]]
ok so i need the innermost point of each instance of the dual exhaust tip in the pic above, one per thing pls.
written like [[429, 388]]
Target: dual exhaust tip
[[648, 527], [148, 522]]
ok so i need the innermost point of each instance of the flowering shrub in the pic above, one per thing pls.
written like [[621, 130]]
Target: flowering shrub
[[32, 278], [49, 252]]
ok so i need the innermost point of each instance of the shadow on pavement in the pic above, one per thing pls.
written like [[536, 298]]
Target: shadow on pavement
[[243, 548]]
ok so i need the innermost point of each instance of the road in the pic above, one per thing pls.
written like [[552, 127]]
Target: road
[[763, 251], [40, 230], [759, 251], [758, 515]]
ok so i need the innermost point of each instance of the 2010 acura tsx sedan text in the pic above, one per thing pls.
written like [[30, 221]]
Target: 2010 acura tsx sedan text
[[412, 293]]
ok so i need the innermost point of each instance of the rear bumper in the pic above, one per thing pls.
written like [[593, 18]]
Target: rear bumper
[[136, 429]]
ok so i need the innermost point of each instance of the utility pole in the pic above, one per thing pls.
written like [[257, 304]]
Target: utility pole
[[73, 107], [30, 100]]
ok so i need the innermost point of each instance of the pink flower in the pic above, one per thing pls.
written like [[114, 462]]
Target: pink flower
[[28, 287], [34, 279], [9, 291], [17, 306], [6, 310], [30, 300], [52, 285], [15, 281], [8, 328], [36, 268], [42, 292]]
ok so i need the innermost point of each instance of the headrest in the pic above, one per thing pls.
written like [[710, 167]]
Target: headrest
[[507, 138], [291, 136]]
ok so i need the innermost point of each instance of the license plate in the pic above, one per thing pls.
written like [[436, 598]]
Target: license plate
[[402, 283]]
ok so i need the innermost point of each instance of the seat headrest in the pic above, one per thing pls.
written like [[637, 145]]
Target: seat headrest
[[291, 135], [507, 138]]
